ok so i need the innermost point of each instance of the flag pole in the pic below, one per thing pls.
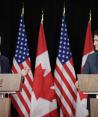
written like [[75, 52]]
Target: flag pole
[[90, 16], [42, 18], [64, 10], [22, 13]]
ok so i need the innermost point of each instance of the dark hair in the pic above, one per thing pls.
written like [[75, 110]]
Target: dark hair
[[96, 32]]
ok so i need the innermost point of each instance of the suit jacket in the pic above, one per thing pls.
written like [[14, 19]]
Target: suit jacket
[[4, 64], [5, 68], [91, 67]]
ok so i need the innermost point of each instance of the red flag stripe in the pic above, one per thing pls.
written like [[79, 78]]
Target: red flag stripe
[[67, 69], [24, 102], [17, 106], [27, 82], [63, 104], [25, 63], [65, 96], [27, 88], [27, 92], [20, 105], [63, 79], [14, 70], [18, 68], [71, 61], [65, 89], [66, 76], [70, 64], [28, 62]]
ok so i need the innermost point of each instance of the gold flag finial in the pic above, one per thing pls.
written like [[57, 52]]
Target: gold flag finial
[[90, 15], [42, 17], [22, 10], [64, 9]]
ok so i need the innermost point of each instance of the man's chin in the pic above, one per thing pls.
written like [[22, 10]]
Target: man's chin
[[96, 48]]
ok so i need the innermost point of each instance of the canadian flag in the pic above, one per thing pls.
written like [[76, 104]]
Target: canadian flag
[[43, 101], [81, 109]]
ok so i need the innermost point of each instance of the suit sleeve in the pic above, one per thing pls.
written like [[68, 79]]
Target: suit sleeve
[[5, 65], [86, 68], [8, 70]]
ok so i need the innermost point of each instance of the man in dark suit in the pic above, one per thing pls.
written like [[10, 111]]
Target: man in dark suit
[[91, 65], [4, 62], [4, 65], [5, 68]]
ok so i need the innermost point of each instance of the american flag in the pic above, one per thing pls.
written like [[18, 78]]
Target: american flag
[[65, 75], [22, 100]]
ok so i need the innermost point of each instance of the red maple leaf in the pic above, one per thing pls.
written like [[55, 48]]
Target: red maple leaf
[[42, 85]]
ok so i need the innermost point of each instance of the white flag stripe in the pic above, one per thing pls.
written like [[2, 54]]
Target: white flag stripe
[[26, 98], [19, 70], [65, 89], [57, 76], [29, 87], [21, 103], [63, 101], [71, 68], [29, 73], [66, 75], [15, 64], [23, 93], [61, 114], [21, 107], [67, 92], [24, 111]]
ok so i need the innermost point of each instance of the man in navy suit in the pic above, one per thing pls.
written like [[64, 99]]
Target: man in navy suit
[[4, 65], [5, 68], [4, 62], [91, 65]]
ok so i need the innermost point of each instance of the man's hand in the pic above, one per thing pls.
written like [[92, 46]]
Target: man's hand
[[25, 71]]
